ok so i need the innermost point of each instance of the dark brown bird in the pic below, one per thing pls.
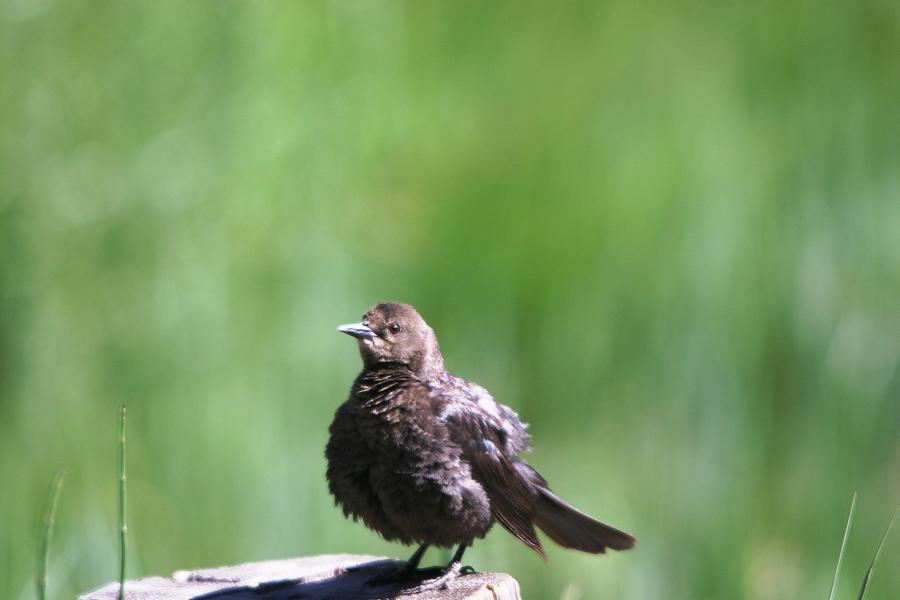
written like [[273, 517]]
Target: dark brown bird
[[425, 457]]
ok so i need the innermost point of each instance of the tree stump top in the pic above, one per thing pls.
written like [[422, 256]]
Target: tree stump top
[[330, 576]]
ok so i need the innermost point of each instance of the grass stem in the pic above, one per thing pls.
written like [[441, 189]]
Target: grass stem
[[837, 569], [871, 569], [123, 529], [49, 522]]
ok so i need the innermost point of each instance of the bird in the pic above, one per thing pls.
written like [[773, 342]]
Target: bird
[[424, 457]]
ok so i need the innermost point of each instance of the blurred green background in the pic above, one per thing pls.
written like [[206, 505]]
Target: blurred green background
[[667, 234]]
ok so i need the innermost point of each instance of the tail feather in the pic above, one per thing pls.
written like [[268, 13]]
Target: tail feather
[[571, 528]]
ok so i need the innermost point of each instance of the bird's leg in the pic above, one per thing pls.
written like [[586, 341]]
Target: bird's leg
[[413, 563], [453, 570], [406, 572], [455, 563], [428, 579]]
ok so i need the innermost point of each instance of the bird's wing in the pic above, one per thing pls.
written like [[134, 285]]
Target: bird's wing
[[483, 437], [490, 435]]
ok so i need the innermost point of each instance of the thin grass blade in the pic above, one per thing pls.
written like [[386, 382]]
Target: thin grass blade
[[123, 529], [837, 569], [871, 569], [49, 523]]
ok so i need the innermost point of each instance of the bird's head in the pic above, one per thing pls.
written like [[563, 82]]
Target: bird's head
[[394, 333]]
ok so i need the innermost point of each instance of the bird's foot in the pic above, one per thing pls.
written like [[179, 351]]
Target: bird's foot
[[438, 579], [412, 580]]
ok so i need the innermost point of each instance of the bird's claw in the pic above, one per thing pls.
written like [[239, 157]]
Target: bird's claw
[[434, 578]]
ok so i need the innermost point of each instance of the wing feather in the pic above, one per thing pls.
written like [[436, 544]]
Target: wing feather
[[483, 439]]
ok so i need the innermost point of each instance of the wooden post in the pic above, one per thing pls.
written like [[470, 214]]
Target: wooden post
[[330, 576]]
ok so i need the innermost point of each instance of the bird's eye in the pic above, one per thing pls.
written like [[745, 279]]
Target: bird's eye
[[394, 327]]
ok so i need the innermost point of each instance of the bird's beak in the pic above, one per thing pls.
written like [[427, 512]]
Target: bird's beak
[[357, 330]]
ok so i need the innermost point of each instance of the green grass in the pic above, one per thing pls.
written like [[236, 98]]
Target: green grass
[[871, 569], [664, 234], [43, 578], [837, 568], [123, 525], [868, 576]]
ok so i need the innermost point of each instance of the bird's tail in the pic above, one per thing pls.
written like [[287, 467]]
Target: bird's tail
[[571, 528]]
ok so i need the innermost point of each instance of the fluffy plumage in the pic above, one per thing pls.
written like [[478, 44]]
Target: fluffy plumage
[[422, 456]]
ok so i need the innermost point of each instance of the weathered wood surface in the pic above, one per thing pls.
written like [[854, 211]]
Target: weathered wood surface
[[331, 577]]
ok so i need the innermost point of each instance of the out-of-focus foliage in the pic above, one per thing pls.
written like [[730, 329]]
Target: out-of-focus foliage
[[667, 234]]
